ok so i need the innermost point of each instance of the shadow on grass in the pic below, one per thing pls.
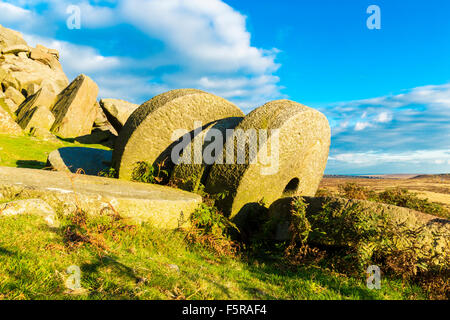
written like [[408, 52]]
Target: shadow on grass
[[321, 277], [31, 164], [6, 252]]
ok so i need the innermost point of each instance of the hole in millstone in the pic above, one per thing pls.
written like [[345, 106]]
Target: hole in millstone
[[291, 188]]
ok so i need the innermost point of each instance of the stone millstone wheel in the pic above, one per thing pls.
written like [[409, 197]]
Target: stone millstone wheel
[[303, 145], [148, 135], [193, 169]]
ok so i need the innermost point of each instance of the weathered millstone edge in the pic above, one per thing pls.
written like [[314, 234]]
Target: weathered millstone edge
[[163, 207]]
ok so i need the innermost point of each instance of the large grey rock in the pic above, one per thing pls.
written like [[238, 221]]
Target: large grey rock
[[150, 132], [7, 124], [74, 109], [28, 69], [343, 227], [37, 117], [43, 97], [10, 38], [101, 121], [290, 161], [90, 161], [117, 111], [163, 207]]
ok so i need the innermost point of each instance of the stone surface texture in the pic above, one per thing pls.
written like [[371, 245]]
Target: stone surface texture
[[37, 117], [117, 111], [27, 206], [434, 237], [72, 159], [7, 123], [75, 110], [304, 141], [163, 207], [192, 170], [148, 135], [43, 97]]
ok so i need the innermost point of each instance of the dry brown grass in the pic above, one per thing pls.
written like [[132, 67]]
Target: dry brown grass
[[434, 188]]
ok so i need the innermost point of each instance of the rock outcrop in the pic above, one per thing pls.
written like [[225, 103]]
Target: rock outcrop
[[7, 124], [27, 69], [37, 117], [74, 109], [117, 111]]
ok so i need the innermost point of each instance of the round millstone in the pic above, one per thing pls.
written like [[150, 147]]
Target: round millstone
[[290, 161], [153, 129], [192, 168], [90, 161], [161, 206]]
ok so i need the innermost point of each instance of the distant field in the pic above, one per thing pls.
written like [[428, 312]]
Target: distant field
[[434, 187]]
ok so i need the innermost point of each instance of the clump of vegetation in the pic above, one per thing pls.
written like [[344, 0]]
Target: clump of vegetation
[[394, 196], [109, 173], [404, 198], [355, 191], [211, 229], [79, 229], [148, 173], [299, 251]]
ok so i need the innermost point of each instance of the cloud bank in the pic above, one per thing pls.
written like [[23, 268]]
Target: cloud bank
[[397, 133], [151, 46]]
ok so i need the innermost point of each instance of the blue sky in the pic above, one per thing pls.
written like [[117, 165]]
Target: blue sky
[[385, 92]]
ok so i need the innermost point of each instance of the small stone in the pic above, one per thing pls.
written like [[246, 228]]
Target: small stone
[[174, 267]]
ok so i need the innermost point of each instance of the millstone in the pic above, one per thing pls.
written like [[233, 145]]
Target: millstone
[[296, 169], [72, 159], [163, 207], [192, 169], [150, 132]]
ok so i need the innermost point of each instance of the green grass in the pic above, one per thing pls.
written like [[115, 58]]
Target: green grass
[[136, 265], [30, 152]]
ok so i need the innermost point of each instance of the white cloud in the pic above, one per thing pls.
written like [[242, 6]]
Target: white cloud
[[205, 35], [11, 13], [77, 59], [362, 125], [205, 44], [384, 117], [373, 158]]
